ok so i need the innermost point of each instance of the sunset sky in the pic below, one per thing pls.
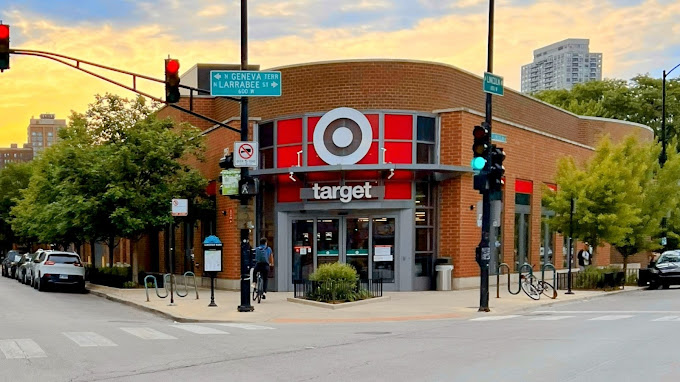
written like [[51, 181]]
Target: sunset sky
[[635, 36]]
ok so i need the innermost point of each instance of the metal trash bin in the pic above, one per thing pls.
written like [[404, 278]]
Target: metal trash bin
[[443, 276]]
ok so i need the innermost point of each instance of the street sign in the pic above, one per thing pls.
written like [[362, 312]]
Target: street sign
[[499, 138], [180, 207], [245, 154], [230, 180], [493, 84], [245, 83]]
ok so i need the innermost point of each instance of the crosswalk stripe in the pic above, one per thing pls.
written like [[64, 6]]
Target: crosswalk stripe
[[22, 348], [88, 339], [247, 326], [668, 318], [148, 334], [198, 329], [494, 318], [612, 317], [549, 318]]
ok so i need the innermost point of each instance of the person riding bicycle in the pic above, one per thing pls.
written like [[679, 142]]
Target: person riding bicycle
[[264, 258]]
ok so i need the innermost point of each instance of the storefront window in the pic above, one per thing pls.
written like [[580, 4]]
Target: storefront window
[[357, 245], [547, 244], [425, 238], [303, 255], [383, 249], [426, 136], [522, 229], [266, 141]]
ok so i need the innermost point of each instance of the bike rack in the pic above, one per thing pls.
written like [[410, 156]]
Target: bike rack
[[554, 283], [155, 285], [167, 279], [519, 282]]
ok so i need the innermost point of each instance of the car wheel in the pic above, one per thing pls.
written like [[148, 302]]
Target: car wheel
[[666, 286], [34, 284], [41, 286]]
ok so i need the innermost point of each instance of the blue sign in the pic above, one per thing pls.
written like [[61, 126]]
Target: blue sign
[[499, 138], [493, 84], [245, 83]]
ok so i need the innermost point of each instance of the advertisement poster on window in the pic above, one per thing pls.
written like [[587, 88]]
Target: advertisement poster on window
[[382, 253]]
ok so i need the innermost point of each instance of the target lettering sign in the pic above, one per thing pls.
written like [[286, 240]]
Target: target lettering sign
[[245, 154]]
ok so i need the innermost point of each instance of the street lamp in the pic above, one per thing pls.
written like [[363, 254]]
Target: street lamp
[[662, 159]]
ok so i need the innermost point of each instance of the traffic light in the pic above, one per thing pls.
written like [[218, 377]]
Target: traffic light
[[4, 47], [480, 147], [171, 80], [227, 161], [248, 186], [496, 169]]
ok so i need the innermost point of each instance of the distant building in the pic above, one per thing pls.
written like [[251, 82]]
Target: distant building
[[561, 65], [15, 154], [43, 132]]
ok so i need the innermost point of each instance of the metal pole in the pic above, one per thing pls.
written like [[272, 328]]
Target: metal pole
[[570, 256], [662, 159], [484, 250], [212, 289], [245, 288], [172, 260]]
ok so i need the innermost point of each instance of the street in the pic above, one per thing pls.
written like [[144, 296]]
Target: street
[[62, 336]]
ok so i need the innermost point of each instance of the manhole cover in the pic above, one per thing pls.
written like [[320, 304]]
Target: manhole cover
[[374, 333]]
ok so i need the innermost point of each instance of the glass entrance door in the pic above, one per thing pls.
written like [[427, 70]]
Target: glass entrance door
[[303, 255], [327, 241], [356, 250]]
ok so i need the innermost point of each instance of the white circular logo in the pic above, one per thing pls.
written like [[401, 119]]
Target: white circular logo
[[343, 136]]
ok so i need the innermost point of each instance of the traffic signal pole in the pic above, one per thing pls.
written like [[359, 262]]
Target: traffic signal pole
[[483, 252], [245, 234]]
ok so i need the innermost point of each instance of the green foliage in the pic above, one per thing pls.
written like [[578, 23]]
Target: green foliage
[[593, 277], [335, 272], [112, 175], [637, 100], [13, 179], [130, 285], [336, 282]]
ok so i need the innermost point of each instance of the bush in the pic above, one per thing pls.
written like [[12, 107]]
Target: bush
[[110, 276], [593, 277], [129, 284], [336, 282]]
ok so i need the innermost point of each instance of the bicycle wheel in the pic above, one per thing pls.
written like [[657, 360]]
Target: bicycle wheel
[[529, 288], [254, 286], [547, 289], [259, 288]]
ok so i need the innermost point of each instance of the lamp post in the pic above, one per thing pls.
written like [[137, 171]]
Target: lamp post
[[571, 236], [662, 159]]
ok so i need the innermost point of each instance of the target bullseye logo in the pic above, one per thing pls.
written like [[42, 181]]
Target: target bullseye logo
[[343, 136]]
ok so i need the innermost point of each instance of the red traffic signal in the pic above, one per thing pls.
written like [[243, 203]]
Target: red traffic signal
[[171, 66], [171, 80], [482, 140], [4, 31], [4, 47]]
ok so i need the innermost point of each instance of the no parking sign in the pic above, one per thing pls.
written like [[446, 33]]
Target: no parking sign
[[245, 154]]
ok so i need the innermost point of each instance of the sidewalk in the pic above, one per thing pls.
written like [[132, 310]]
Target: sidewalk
[[395, 306]]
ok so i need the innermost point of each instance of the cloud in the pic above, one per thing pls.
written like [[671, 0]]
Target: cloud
[[212, 11], [289, 32]]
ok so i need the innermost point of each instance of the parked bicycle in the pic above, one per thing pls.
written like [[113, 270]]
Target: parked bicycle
[[534, 287], [257, 285]]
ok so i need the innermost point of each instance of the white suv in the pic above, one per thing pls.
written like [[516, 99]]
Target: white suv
[[58, 268]]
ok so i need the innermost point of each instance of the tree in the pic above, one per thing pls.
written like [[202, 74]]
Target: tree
[[637, 100], [13, 179], [602, 211]]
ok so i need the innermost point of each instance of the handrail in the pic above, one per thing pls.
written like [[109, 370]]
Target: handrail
[[155, 285]]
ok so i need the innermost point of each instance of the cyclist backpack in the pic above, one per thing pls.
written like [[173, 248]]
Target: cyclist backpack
[[261, 254]]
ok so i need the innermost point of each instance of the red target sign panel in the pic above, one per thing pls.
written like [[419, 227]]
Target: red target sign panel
[[245, 154]]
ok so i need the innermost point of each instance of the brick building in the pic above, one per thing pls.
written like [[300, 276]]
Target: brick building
[[367, 162], [43, 132], [15, 154]]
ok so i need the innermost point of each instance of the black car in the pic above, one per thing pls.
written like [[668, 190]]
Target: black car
[[9, 263], [665, 271]]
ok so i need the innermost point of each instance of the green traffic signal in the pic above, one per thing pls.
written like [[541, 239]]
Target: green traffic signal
[[478, 163]]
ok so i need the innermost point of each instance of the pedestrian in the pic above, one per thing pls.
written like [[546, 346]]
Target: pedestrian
[[584, 257], [264, 258]]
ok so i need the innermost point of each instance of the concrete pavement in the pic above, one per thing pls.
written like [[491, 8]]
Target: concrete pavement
[[395, 306]]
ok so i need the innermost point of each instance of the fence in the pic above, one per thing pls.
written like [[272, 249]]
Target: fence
[[604, 279], [336, 289]]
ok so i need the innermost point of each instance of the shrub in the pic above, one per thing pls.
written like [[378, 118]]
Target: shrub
[[110, 276], [129, 284], [593, 277], [336, 282]]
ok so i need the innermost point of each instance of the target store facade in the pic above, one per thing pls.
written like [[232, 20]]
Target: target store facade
[[366, 162]]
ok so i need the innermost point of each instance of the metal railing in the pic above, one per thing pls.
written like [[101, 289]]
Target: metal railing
[[336, 290]]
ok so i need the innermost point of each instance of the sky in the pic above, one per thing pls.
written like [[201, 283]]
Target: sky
[[635, 37]]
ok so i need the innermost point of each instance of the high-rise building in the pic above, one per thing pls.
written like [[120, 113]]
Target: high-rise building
[[43, 132], [15, 154], [561, 65]]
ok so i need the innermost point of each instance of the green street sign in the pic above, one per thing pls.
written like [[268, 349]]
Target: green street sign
[[230, 180], [493, 84]]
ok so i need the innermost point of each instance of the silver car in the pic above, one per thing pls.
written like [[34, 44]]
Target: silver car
[[25, 272]]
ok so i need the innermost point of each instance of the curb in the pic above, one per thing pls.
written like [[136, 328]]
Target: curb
[[146, 308], [343, 305]]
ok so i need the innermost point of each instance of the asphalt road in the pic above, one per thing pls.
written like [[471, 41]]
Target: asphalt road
[[58, 336]]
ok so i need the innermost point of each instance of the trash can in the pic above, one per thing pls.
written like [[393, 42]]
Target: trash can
[[444, 276]]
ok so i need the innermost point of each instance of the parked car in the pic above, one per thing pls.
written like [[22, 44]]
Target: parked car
[[665, 270], [10, 262], [25, 266], [57, 268]]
